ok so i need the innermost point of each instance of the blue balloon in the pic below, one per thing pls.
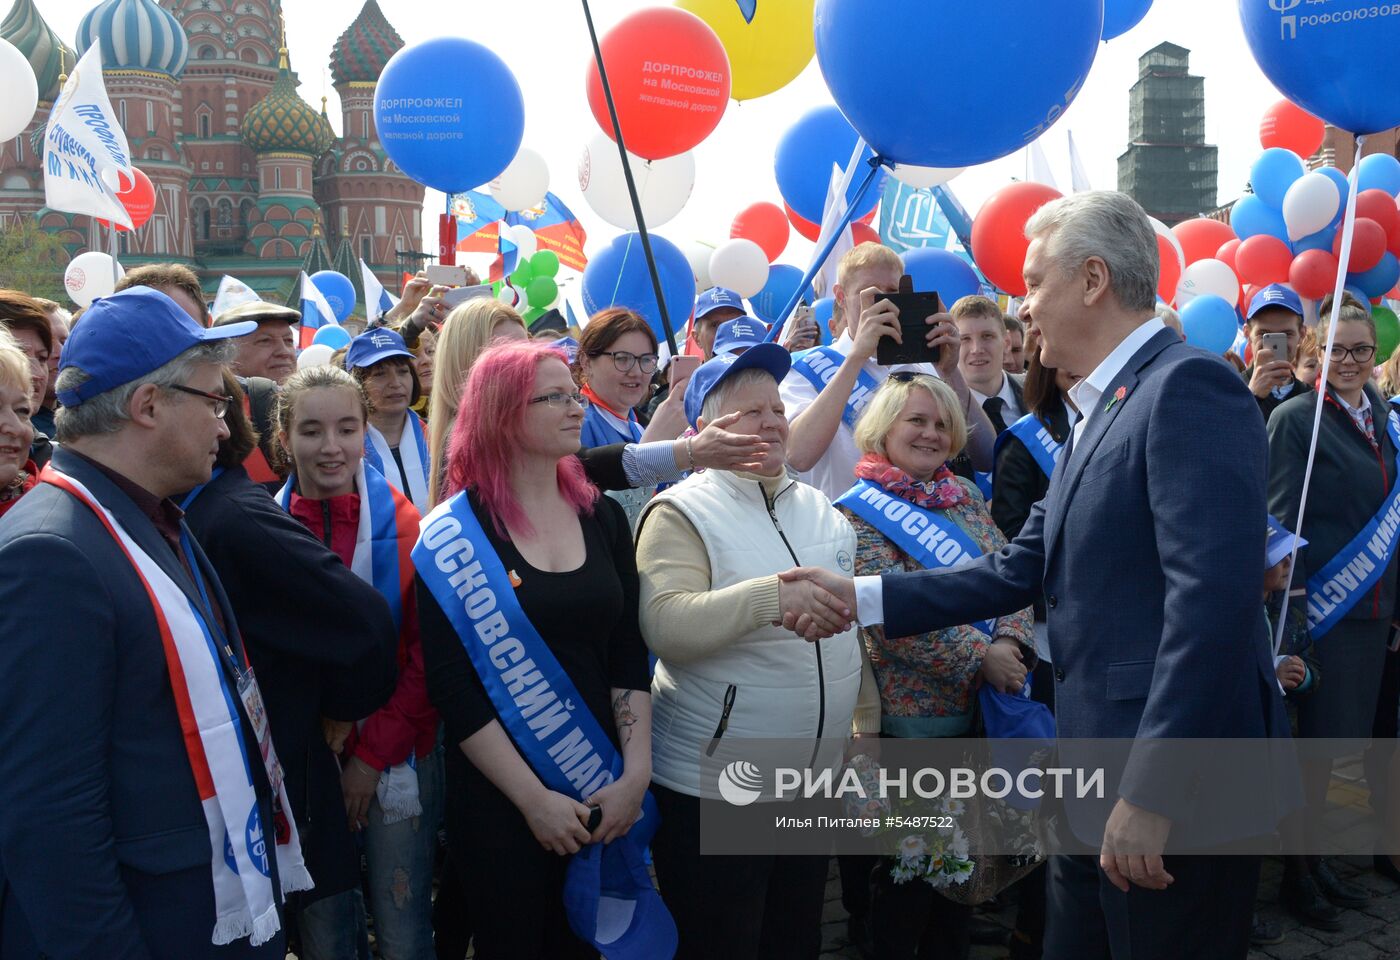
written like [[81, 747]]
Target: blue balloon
[[941, 270], [333, 336], [1380, 279], [804, 158], [1329, 60], [1273, 173], [338, 291], [948, 111], [1322, 240], [821, 312], [1358, 293], [617, 276], [449, 112], [1210, 323], [1343, 189], [783, 281], [1379, 171], [1251, 216], [1120, 16]]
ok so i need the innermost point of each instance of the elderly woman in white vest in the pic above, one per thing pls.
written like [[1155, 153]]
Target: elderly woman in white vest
[[709, 551]]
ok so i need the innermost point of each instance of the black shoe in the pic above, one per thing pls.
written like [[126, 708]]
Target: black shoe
[[858, 933], [1300, 896], [1337, 890], [985, 933], [1264, 932], [1385, 867]]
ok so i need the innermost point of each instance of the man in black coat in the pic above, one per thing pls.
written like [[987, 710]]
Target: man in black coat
[[1275, 309]]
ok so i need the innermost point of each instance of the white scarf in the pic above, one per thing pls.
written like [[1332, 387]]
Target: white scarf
[[412, 483]]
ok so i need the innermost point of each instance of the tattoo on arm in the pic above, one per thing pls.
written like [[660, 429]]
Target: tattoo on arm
[[623, 716]]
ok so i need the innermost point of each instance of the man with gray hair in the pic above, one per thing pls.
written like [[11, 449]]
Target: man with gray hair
[[142, 812], [1146, 549]]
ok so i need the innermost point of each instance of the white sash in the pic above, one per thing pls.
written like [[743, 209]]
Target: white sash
[[413, 450]]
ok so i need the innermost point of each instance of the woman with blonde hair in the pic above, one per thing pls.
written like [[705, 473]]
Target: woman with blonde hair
[[18, 474]]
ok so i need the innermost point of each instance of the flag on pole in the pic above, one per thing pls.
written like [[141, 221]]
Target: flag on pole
[[85, 149], [748, 8], [232, 293], [1079, 177], [1038, 167], [556, 228], [315, 312], [378, 301]]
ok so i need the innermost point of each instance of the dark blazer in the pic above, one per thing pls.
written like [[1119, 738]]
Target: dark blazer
[[1148, 548], [1268, 403], [104, 850], [1018, 483], [1350, 481], [322, 642]]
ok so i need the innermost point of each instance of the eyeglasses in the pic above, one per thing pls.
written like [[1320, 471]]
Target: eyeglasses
[[1361, 354], [221, 402], [625, 361], [559, 401]]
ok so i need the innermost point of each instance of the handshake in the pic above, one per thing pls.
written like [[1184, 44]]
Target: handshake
[[816, 603]]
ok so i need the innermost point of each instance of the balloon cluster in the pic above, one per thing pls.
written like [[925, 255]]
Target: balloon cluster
[[533, 280]]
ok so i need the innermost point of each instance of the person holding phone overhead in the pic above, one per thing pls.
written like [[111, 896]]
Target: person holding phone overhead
[[829, 386], [1274, 326]]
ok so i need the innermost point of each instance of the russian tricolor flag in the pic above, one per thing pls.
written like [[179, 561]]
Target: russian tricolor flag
[[378, 301], [315, 312]]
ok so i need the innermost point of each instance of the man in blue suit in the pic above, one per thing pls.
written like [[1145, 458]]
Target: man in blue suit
[[107, 850], [1148, 551]]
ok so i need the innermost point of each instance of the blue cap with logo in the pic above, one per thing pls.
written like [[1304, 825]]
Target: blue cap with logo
[[766, 356], [738, 335], [1275, 295], [716, 297], [130, 334], [375, 345], [1278, 544]]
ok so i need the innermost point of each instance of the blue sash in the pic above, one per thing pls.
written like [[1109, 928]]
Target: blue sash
[[546, 718], [600, 430], [819, 365], [984, 483], [1358, 566], [1035, 437], [925, 535]]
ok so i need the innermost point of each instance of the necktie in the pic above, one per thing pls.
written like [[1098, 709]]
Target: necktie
[[992, 407]]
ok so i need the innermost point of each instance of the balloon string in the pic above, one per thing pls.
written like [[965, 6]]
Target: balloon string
[[1348, 225], [631, 184]]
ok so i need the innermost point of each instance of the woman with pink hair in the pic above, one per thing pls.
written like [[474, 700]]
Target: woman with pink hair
[[528, 591]]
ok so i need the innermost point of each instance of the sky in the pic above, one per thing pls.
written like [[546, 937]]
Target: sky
[[546, 44]]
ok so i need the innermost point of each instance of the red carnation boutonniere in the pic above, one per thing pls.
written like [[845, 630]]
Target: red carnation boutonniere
[[1118, 395]]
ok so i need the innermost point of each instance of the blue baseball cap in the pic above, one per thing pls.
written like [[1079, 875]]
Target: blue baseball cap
[[130, 334], [567, 344], [375, 345], [766, 356], [1279, 544], [716, 297], [1275, 295], [738, 335]]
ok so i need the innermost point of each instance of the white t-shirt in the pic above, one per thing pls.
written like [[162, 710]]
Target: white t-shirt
[[835, 472]]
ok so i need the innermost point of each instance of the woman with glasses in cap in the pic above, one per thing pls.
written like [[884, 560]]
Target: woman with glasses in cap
[[395, 443]]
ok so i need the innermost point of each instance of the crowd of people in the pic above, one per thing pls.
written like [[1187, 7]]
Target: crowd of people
[[423, 648]]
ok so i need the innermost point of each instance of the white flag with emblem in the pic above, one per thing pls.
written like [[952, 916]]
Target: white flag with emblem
[[233, 293], [85, 151]]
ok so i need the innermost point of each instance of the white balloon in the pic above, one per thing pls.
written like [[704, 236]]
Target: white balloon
[[1310, 204], [316, 355], [524, 183], [21, 97], [508, 295], [89, 277], [1165, 231], [663, 186], [921, 178], [523, 238], [699, 256], [1208, 276], [739, 265]]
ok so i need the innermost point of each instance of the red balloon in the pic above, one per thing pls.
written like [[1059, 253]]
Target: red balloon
[[1368, 242], [1201, 238], [1394, 246], [1291, 127], [999, 241], [670, 80], [1262, 260], [1247, 293], [1379, 206], [1169, 274], [766, 225], [864, 233], [139, 199], [1313, 274], [1226, 253]]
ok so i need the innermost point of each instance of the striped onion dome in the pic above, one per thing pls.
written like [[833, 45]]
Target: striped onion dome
[[135, 35], [47, 54], [366, 45], [283, 121]]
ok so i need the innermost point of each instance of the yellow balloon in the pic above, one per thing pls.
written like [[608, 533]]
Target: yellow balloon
[[765, 55]]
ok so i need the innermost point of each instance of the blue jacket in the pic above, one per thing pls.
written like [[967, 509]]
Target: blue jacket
[[1148, 549], [104, 850]]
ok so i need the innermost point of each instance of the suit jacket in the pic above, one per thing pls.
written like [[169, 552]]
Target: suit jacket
[[1149, 548], [104, 849]]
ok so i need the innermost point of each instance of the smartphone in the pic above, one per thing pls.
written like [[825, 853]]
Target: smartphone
[[447, 276], [1277, 342], [682, 368], [458, 295], [914, 310]]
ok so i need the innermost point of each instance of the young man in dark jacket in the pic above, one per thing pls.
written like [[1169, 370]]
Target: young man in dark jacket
[[1275, 309]]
